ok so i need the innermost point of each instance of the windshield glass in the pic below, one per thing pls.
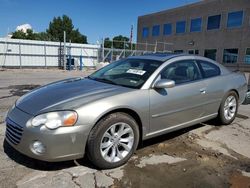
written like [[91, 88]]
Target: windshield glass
[[131, 73]]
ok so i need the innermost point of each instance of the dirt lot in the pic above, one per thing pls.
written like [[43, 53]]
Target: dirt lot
[[204, 155]]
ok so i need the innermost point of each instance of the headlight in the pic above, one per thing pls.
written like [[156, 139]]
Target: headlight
[[53, 120]]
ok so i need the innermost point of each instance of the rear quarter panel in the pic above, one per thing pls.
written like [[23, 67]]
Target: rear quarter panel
[[237, 81], [228, 82]]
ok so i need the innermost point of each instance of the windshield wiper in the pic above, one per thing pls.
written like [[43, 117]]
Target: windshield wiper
[[89, 78], [103, 80]]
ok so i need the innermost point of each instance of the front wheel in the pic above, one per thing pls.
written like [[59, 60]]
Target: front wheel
[[113, 140], [228, 108]]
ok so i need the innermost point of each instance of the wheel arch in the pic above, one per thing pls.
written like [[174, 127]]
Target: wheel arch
[[234, 90], [128, 111]]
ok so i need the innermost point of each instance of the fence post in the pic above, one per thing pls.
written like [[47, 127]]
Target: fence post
[[112, 52], [156, 43], [70, 57], [64, 50], [81, 62], [20, 55], [103, 42], [124, 48], [45, 55]]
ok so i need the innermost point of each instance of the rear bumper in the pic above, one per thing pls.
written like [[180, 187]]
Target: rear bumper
[[64, 143]]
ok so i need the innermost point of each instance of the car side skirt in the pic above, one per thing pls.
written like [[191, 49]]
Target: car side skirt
[[179, 126]]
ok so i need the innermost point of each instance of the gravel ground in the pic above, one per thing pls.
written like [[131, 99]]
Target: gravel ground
[[204, 155]]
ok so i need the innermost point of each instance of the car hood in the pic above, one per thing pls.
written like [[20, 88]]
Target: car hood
[[66, 94]]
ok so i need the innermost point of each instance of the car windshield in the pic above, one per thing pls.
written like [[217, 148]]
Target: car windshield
[[132, 73]]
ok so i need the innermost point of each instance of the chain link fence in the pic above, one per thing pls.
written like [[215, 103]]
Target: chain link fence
[[15, 53], [123, 49]]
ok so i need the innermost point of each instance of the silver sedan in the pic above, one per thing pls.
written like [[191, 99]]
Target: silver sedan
[[107, 114]]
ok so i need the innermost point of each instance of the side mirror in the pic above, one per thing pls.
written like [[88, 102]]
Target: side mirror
[[164, 83]]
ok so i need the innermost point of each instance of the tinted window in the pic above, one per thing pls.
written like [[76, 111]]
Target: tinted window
[[167, 29], [247, 58], [235, 19], [196, 52], [195, 25], [156, 30], [181, 72], [208, 69], [211, 54], [145, 32], [178, 51], [213, 22], [131, 73], [181, 27], [230, 55]]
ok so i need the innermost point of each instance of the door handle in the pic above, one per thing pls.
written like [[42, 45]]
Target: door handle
[[203, 91]]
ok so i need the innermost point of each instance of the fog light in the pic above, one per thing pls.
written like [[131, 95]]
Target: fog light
[[38, 147]]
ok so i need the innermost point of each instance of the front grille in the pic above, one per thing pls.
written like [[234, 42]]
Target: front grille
[[13, 132]]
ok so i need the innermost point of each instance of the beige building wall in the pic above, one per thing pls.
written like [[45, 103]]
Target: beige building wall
[[220, 39]]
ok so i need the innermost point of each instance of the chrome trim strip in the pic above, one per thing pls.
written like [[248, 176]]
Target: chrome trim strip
[[183, 109]]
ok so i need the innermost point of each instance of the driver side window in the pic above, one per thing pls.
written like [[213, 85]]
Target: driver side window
[[181, 72]]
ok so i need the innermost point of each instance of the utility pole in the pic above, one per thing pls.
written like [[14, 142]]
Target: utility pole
[[131, 37]]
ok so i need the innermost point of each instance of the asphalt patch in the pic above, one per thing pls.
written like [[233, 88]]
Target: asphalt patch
[[18, 90]]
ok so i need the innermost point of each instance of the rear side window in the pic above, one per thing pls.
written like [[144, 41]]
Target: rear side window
[[208, 70]]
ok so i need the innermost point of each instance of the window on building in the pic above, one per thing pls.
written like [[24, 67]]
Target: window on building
[[196, 52], [178, 51], [195, 25], [230, 56], [156, 30], [213, 22], [145, 32], [181, 27], [235, 19], [247, 58], [211, 54], [208, 69], [167, 30]]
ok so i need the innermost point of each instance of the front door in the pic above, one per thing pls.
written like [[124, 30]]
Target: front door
[[180, 104]]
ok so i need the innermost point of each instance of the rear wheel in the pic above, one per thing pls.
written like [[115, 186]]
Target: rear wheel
[[113, 141], [228, 108]]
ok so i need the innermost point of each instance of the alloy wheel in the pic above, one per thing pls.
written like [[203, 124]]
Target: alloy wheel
[[117, 142]]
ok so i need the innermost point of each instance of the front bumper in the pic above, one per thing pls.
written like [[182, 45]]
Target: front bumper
[[64, 143]]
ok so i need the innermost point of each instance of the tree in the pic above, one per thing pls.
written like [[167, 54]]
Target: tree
[[42, 36], [119, 42], [107, 43], [55, 32], [77, 37], [30, 35], [61, 24], [19, 35]]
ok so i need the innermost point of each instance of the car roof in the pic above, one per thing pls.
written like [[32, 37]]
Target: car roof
[[159, 56]]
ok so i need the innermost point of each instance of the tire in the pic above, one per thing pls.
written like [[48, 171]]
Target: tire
[[227, 113], [113, 140]]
